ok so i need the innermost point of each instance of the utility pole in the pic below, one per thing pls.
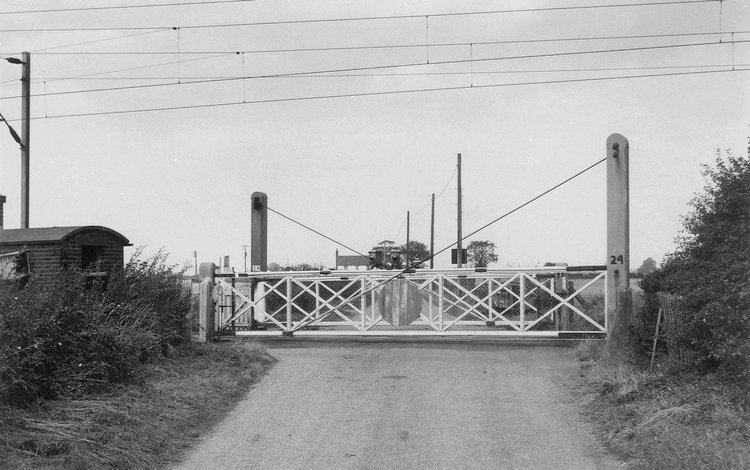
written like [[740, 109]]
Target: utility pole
[[432, 233], [459, 252], [25, 136], [408, 261], [195, 261], [245, 247]]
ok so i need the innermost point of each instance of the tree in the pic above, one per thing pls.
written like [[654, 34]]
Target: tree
[[414, 251], [648, 266], [480, 253], [709, 270]]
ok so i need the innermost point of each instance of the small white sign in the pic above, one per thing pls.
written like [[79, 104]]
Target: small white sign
[[256, 267]]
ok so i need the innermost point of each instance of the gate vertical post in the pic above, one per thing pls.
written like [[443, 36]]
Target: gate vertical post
[[289, 304], [441, 297], [259, 232], [363, 287], [522, 305], [317, 297], [206, 309], [618, 237]]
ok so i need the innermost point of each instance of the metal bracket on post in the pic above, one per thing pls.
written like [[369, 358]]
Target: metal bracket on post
[[618, 237], [206, 309]]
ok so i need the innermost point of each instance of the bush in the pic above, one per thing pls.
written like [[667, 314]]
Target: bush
[[70, 338], [709, 271]]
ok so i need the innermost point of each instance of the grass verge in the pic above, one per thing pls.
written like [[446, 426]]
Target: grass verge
[[145, 424], [668, 419]]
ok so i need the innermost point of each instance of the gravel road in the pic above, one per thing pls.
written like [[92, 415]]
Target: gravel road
[[406, 406]]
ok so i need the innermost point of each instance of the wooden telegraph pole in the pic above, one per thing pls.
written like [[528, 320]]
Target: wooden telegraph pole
[[618, 238], [459, 258], [432, 233], [407, 254]]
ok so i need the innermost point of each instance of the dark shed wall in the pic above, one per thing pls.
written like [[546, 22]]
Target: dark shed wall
[[112, 253], [47, 258]]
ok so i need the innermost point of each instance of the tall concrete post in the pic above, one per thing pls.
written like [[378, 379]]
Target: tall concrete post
[[259, 232], [618, 237]]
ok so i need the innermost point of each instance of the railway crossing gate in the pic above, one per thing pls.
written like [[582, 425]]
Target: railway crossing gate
[[584, 301]]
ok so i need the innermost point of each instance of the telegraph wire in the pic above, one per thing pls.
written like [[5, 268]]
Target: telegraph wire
[[403, 224], [360, 18], [376, 93], [369, 68], [439, 194]]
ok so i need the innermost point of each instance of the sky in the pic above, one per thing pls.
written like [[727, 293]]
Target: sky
[[524, 98]]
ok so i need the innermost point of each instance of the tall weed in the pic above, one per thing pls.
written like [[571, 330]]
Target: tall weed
[[67, 337]]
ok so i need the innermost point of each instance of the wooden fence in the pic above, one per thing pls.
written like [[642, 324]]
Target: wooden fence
[[673, 327]]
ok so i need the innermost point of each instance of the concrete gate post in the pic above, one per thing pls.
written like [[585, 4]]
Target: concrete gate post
[[206, 308], [259, 232], [618, 238]]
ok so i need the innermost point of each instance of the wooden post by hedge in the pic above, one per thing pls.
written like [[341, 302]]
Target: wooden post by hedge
[[206, 309]]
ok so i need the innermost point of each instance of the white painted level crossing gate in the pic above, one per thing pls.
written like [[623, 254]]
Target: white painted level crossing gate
[[549, 301]]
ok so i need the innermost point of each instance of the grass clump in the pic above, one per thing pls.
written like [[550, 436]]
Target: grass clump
[[673, 418], [145, 424]]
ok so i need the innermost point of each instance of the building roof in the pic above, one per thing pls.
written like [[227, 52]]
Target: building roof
[[29, 236]]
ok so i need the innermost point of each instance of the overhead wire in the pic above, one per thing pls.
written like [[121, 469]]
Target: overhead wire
[[361, 18], [416, 74], [384, 46], [377, 93], [123, 7], [371, 68]]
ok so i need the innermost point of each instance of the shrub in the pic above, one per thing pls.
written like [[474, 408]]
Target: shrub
[[70, 338], [709, 270]]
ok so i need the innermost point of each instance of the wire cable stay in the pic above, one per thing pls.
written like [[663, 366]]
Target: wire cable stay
[[409, 268], [316, 232]]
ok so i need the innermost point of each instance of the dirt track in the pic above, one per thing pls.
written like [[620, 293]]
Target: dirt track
[[406, 406]]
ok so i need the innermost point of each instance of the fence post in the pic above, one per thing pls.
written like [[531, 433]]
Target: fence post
[[206, 309], [618, 238]]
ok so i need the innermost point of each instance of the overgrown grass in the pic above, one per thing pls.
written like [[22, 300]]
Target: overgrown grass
[[145, 424], [668, 419]]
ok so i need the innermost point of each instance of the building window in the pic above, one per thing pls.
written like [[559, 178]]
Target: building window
[[91, 257]]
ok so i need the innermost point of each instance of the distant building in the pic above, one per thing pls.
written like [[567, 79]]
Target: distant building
[[355, 261], [45, 251]]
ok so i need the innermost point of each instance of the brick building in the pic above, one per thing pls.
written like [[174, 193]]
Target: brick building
[[45, 251]]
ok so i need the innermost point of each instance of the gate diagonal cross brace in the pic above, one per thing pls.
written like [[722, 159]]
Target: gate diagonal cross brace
[[334, 309], [348, 300], [566, 302]]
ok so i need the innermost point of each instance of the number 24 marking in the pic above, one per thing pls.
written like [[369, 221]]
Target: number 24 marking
[[616, 259]]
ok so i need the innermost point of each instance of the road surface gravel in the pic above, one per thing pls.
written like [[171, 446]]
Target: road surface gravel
[[407, 406]]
